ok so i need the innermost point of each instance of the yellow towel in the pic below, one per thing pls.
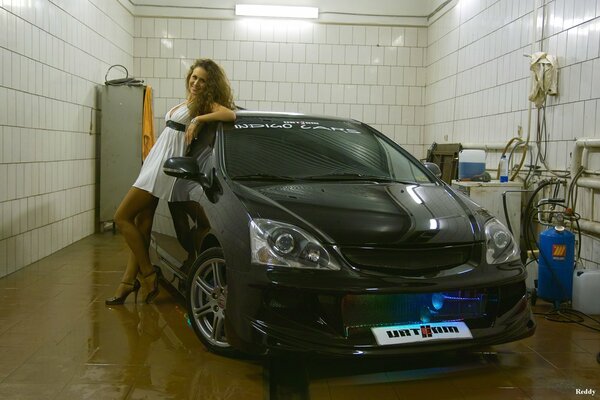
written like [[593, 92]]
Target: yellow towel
[[148, 138]]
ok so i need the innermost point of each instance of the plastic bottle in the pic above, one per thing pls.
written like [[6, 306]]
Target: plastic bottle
[[503, 169]]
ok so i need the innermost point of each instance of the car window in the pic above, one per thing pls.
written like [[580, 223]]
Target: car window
[[313, 149]]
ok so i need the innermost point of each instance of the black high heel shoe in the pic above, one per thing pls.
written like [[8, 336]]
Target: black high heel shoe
[[115, 301], [154, 292]]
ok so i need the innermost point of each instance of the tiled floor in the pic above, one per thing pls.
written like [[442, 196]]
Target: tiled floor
[[59, 341]]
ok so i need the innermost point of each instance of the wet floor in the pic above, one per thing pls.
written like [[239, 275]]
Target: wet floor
[[59, 341]]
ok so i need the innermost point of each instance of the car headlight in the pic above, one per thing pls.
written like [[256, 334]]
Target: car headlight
[[501, 246], [279, 244]]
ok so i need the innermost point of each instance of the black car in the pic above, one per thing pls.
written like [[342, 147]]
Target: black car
[[294, 232]]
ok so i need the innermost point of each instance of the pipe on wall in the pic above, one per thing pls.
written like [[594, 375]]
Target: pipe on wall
[[589, 226], [588, 182], [580, 145], [481, 146]]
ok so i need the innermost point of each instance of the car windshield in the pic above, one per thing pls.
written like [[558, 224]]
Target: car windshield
[[313, 149]]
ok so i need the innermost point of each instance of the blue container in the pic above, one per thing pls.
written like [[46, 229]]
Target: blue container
[[468, 170], [471, 163], [555, 264]]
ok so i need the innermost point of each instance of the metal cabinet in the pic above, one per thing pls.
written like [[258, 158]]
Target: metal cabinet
[[120, 156]]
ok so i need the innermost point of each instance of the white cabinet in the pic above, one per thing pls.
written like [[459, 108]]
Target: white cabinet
[[489, 196]]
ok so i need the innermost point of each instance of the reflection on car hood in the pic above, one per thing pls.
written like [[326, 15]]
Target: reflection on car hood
[[353, 213]]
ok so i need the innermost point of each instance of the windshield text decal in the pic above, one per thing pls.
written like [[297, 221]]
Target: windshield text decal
[[290, 126]]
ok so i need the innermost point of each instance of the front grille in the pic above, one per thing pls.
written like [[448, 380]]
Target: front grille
[[410, 261], [353, 315], [394, 309], [511, 295]]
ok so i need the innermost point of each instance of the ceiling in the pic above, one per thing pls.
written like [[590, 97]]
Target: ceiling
[[377, 12]]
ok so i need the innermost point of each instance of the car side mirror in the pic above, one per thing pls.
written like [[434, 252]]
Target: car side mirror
[[433, 168], [186, 168]]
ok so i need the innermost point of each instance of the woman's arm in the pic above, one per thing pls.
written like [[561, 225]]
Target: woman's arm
[[219, 113]]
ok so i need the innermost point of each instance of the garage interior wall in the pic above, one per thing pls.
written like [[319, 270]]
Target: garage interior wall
[[53, 55], [478, 81], [461, 79], [374, 74]]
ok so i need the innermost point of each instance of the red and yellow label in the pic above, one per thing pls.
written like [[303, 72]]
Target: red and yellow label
[[559, 251]]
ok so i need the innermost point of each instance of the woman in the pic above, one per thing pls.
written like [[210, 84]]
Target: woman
[[209, 98]]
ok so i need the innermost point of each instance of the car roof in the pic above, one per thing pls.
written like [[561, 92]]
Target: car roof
[[271, 114]]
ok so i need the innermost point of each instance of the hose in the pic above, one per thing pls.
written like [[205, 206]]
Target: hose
[[506, 216], [527, 227], [505, 208], [572, 192], [541, 139], [523, 156], [504, 152]]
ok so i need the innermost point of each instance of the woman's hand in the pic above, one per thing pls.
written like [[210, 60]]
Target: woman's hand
[[219, 113], [192, 130]]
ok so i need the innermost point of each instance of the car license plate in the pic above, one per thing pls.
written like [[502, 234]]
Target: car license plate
[[401, 334]]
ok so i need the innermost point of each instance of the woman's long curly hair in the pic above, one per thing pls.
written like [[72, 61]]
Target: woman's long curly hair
[[215, 90]]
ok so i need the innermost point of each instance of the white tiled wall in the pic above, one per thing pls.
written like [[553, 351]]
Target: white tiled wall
[[53, 53], [478, 80], [462, 79], [374, 74], [477, 77]]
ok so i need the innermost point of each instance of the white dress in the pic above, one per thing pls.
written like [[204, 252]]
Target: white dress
[[170, 143]]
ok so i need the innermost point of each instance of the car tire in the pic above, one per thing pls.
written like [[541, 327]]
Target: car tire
[[206, 299]]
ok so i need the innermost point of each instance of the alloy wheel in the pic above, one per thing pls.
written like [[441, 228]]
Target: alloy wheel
[[208, 300]]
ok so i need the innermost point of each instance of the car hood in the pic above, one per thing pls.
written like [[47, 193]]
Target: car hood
[[366, 213]]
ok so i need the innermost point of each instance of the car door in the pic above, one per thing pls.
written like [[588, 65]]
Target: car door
[[180, 224]]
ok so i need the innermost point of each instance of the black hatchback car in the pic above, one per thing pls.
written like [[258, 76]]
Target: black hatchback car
[[315, 234]]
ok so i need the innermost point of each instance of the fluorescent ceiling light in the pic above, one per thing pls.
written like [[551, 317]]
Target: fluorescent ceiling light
[[255, 10]]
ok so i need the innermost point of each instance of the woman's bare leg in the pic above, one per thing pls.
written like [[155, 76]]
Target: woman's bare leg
[[136, 203], [131, 272], [143, 222]]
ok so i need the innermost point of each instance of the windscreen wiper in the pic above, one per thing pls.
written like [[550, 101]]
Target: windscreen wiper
[[264, 177], [352, 176]]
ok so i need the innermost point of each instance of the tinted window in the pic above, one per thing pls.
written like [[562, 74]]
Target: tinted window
[[313, 148]]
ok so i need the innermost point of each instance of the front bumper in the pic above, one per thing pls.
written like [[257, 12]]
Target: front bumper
[[336, 323]]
